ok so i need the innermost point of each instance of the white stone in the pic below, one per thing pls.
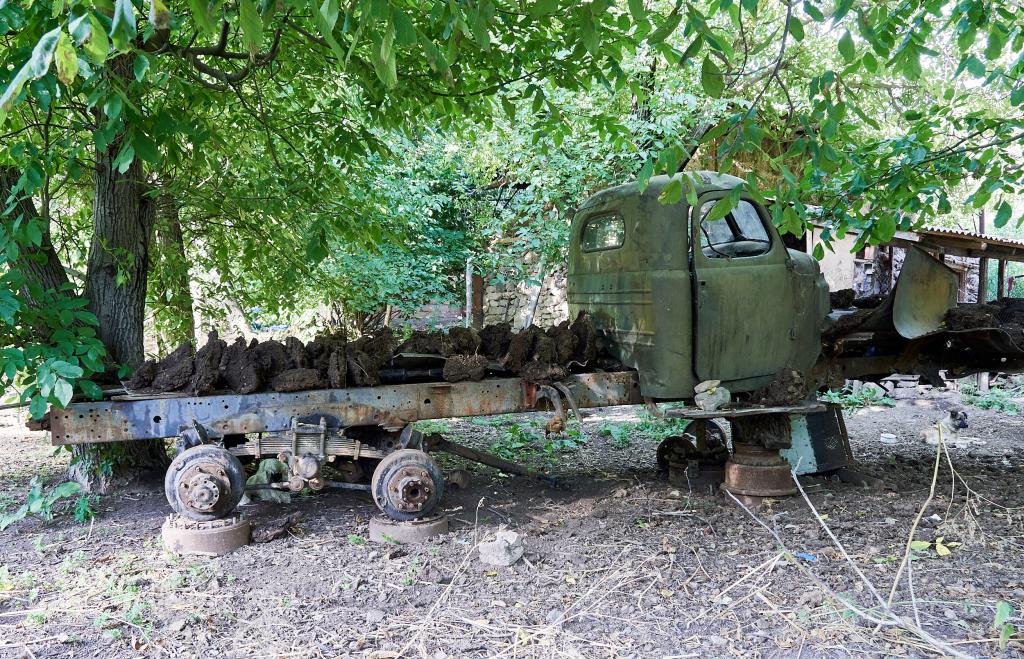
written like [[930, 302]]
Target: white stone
[[504, 550]]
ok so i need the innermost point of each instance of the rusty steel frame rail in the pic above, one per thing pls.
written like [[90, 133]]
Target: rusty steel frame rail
[[391, 407]]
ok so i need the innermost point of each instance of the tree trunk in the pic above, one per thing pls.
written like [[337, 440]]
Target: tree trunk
[[170, 296], [40, 265], [115, 285]]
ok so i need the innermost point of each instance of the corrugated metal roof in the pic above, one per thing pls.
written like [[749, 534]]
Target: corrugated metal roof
[[973, 235]]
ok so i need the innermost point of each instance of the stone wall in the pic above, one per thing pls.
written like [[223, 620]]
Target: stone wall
[[511, 302]]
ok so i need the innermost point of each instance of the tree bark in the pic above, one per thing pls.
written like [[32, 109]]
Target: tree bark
[[115, 285], [40, 265], [170, 296]]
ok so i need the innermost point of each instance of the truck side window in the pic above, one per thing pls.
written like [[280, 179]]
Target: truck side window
[[603, 232], [739, 234]]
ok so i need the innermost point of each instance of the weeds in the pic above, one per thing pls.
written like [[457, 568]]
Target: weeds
[[996, 398], [431, 427], [39, 502], [648, 429], [85, 508], [855, 399], [519, 443]]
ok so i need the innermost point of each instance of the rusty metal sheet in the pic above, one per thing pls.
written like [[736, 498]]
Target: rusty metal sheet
[[925, 291], [391, 407]]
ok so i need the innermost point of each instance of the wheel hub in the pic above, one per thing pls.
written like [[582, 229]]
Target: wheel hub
[[410, 489], [202, 487]]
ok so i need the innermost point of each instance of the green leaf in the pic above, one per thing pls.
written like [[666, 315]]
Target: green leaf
[[638, 11], [846, 48], [1003, 213], [98, 44], [159, 15], [818, 252], [9, 306], [140, 66], [509, 107], [975, 66], [672, 192], [796, 28], [720, 209], [711, 78], [384, 62], [203, 15], [123, 28], [920, 545], [65, 490], [590, 38], [667, 28], [252, 25], [814, 12], [63, 391], [67, 60], [145, 148], [996, 42], [405, 30], [42, 54], [1003, 612], [66, 370], [37, 408], [90, 389]]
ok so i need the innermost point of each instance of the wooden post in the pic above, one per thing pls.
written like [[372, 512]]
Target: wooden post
[[469, 293], [478, 301], [1001, 285], [982, 265]]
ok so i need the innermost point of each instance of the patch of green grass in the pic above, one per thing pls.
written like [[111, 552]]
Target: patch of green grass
[[432, 427], [996, 398], [865, 396], [649, 429], [493, 421]]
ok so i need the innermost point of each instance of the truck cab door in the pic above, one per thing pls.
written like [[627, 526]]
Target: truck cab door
[[744, 292]]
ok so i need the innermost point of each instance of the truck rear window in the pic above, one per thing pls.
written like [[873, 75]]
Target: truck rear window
[[603, 232]]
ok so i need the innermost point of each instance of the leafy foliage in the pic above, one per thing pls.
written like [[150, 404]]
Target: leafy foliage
[[40, 502], [855, 399], [358, 154]]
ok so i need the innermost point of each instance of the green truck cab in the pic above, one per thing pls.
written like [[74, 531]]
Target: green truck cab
[[683, 299]]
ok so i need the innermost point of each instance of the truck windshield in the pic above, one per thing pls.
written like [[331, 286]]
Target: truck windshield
[[741, 233]]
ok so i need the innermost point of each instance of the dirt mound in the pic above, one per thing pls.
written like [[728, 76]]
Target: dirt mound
[[206, 370], [299, 379], [461, 368], [971, 316], [174, 370], [788, 388], [460, 341], [330, 360], [842, 299], [427, 343], [495, 340]]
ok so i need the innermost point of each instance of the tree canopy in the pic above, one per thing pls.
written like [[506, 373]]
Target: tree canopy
[[157, 156]]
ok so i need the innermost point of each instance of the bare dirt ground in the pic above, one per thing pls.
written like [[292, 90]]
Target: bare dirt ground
[[620, 564]]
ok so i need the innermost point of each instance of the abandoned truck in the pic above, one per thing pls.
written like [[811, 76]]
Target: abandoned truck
[[678, 296]]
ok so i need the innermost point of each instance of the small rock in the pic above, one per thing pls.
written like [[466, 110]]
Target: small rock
[[599, 514], [459, 479], [176, 625], [888, 438], [504, 550], [554, 617], [373, 616]]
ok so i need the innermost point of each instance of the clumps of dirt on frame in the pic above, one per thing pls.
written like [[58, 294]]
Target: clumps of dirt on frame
[[332, 360]]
